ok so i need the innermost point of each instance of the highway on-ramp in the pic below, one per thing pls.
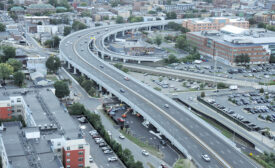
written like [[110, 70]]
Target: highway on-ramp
[[181, 127]]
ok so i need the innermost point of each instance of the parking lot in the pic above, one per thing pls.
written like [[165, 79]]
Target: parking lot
[[170, 84], [253, 108], [256, 73], [97, 152], [136, 127]]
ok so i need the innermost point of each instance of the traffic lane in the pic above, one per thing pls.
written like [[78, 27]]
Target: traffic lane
[[231, 156], [218, 142], [162, 119], [96, 152], [196, 153]]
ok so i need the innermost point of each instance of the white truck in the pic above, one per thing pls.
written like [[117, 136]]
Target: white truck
[[233, 87]]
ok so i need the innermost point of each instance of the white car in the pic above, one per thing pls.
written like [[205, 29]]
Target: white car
[[126, 78], [112, 159], [109, 133], [206, 157], [91, 159], [145, 153], [121, 136]]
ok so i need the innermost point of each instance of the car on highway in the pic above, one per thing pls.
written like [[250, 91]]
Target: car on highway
[[122, 90], [101, 66], [163, 166], [93, 132], [145, 153], [205, 157], [112, 159], [121, 136], [126, 78], [166, 105]]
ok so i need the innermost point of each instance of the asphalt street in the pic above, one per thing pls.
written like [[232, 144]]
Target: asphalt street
[[193, 135]]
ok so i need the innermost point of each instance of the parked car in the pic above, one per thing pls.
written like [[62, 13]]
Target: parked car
[[121, 136], [112, 159], [107, 151], [90, 159], [102, 144]]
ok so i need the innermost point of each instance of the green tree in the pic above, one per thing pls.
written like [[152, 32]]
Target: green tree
[[5, 71], [87, 84], [2, 6], [9, 52], [17, 65], [2, 27], [272, 58], [242, 59], [138, 164], [53, 2], [61, 89], [252, 21], [53, 64], [83, 4], [67, 30], [181, 42], [171, 15], [18, 78], [261, 25], [159, 9], [118, 66], [171, 59], [77, 109], [77, 25], [56, 41], [152, 12], [202, 94], [119, 20], [39, 23], [221, 85], [262, 90], [158, 40]]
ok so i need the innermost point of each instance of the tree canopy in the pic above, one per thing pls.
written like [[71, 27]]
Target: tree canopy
[[158, 40], [9, 52], [242, 59], [18, 78], [61, 89], [17, 65], [119, 20], [77, 25], [53, 63], [5, 71], [2, 27], [67, 30], [171, 15]]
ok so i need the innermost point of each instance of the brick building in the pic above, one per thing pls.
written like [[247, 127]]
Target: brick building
[[213, 23], [232, 41], [76, 153], [5, 109]]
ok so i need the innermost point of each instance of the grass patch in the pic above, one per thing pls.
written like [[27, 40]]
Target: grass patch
[[143, 145], [52, 78], [265, 160], [183, 163], [223, 130], [170, 50], [272, 82], [157, 88], [106, 115]]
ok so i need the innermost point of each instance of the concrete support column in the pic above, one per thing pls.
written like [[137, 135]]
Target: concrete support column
[[100, 88], [81, 73], [162, 27], [108, 38], [111, 58], [110, 94], [139, 61], [123, 33], [133, 30], [74, 70], [149, 28], [124, 60], [115, 35], [69, 66]]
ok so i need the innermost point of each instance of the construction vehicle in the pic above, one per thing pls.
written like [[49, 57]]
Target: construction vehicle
[[124, 115]]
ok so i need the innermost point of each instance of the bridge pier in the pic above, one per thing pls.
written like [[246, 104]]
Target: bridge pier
[[69, 66], [74, 70], [149, 28], [139, 61], [124, 60], [123, 33], [111, 58]]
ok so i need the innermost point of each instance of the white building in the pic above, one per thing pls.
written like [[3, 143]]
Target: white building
[[52, 29]]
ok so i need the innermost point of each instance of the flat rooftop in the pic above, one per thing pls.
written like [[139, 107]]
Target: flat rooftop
[[238, 38]]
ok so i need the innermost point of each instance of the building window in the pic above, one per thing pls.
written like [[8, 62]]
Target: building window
[[18, 110], [80, 147], [18, 100], [80, 152], [68, 154], [80, 159], [59, 150], [68, 166], [80, 165], [68, 148], [68, 160]]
